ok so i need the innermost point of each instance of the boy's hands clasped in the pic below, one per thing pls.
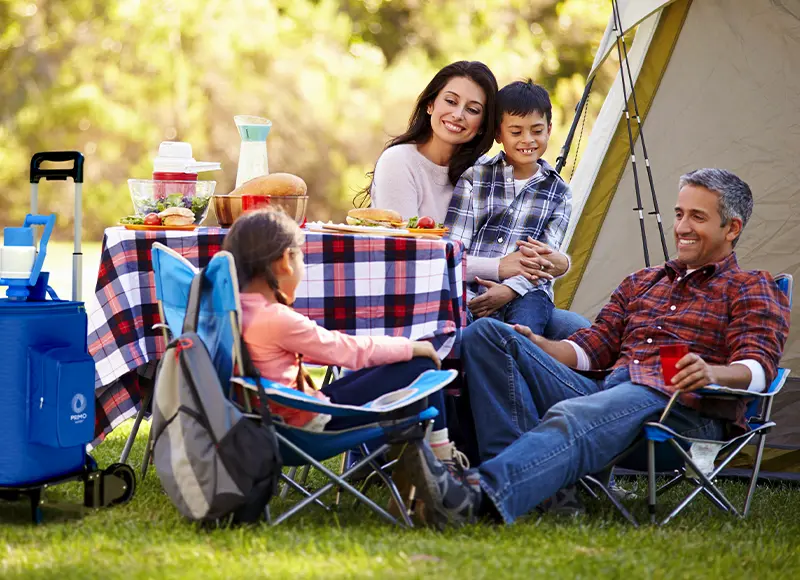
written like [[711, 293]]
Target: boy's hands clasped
[[424, 348], [528, 261]]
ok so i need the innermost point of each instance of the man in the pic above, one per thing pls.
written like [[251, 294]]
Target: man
[[546, 425]]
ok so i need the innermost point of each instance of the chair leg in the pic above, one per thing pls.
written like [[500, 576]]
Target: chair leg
[[714, 499], [671, 483], [143, 408], [762, 440], [147, 452], [401, 506], [304, 475], [588, 489], [706, 481], [291, 476], [651, 480], [303, 491], [342, 467], [610, 495], [333, 481]]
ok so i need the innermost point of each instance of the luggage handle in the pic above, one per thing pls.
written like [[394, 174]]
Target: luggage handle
[[60, 174]]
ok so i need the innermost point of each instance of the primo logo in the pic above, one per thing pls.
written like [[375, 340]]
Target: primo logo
[[78, 408]]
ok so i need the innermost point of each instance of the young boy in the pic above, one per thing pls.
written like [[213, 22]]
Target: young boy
[[512, 197]]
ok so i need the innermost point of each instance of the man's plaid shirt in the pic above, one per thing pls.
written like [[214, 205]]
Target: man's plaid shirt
[[488, 216], [722, 312]]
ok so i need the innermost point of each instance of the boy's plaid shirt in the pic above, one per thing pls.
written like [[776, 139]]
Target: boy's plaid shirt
[[488, 216]]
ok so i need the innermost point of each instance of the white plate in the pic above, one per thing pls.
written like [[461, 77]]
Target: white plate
[[370, 231]]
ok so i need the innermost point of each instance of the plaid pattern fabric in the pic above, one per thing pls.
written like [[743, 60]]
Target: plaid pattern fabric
[[488, 216], [354, 284], [722, 312]]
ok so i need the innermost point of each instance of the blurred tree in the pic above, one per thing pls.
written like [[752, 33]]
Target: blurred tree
[[114, 78]]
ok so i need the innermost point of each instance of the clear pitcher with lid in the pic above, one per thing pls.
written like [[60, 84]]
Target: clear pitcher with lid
[[253, 160]]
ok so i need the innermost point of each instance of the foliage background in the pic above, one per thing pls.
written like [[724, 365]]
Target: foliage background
[[337, 78]]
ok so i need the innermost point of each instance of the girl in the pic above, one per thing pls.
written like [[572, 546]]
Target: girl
[[451, 126], [266, 246]]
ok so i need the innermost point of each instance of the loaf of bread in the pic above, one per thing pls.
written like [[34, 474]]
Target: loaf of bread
[[277, 184]]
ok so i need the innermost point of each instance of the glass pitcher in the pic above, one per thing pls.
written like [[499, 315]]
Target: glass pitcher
[[253, 160]]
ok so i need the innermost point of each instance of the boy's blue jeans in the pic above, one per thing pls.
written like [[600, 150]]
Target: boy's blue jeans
[[541, 426], [532, 310]]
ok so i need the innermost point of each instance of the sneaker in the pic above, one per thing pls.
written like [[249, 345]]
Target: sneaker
[[449, 500], [564, 503], [455, 461]]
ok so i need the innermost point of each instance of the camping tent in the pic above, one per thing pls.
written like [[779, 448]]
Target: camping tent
[[717, 85]]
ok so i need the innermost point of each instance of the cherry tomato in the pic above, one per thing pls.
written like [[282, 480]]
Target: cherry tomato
[[426, 222], [152, 219]]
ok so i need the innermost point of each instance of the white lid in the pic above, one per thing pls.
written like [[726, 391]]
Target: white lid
[[176, 157]]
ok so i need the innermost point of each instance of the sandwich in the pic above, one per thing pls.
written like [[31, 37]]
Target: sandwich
[[177, 216], [374, 217]]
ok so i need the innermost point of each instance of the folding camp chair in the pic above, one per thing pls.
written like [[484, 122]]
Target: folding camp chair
[[396, 417], [696, 460]]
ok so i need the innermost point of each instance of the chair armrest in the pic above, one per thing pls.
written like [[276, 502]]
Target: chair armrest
[[718, 390], [774, 388], [424, 385]]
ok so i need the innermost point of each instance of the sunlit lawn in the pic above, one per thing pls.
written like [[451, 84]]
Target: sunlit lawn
[[148, 539]]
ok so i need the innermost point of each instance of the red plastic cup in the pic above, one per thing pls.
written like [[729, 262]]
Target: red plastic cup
[[670, 355], [254, 201]]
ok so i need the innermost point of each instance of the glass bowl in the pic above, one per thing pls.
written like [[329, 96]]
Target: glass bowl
[[229, 207], [154, 196]]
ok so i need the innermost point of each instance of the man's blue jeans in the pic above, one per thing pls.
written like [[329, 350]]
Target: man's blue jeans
[[541, 426], [562, 323]]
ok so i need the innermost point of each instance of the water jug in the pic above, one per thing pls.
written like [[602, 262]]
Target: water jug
[[253, 151]]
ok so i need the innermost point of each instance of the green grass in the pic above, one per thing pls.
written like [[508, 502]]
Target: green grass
[[148, 539]]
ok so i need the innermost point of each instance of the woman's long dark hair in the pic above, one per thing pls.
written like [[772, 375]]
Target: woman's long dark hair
[[419, 126]]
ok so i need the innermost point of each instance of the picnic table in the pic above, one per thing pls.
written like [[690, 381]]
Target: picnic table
[[356, 284]]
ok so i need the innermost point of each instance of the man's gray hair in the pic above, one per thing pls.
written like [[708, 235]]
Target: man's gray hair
[[735, 197]]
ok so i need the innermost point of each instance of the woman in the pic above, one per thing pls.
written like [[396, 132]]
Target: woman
[[451, 127]]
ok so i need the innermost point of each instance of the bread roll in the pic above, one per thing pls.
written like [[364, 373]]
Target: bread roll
[[277, 184]]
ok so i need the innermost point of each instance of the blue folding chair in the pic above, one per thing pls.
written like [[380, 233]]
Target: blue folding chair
[[697, 461], [395, 418]]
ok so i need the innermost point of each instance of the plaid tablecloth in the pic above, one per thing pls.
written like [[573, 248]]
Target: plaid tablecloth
[[354, 284]]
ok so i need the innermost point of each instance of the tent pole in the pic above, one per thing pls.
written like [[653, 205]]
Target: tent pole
[[618, 30], [564, 153], [656, 211]]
